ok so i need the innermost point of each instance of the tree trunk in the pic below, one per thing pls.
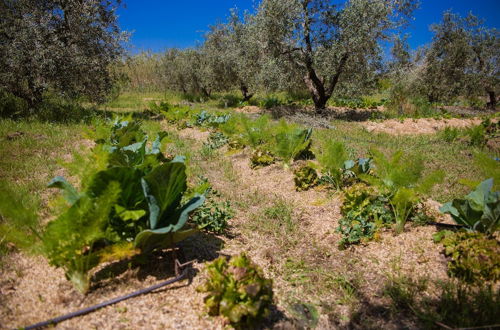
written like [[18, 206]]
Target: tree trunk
[[317, 90], [244, 91], [206, 92], [492, 104]]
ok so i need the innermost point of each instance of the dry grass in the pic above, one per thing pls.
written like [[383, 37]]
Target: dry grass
[[291, 235]]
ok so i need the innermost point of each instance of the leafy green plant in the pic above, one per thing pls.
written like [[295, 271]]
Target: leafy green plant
[[261, 158], [473, 257], [238, 291], [216, 140], [332, 157], [71, 240], [213, 215], [270, 102], [206, 119], [290, 141], [450, 134], [255, 132], [364, 211], [353, 168], [402, 181], [478, 211], [305, 177], [477, 135], [136, 201]]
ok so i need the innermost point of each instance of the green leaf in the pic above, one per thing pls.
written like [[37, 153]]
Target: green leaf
[[163, 188], [69, 192], [148, 240]]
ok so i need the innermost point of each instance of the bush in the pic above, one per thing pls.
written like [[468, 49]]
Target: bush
[[238, 291], [473, 257]]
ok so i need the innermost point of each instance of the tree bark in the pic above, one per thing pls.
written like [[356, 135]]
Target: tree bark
[[244, 91], [492, 104]]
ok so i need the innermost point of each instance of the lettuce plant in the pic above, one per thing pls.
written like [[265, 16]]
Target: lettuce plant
[[478, 211], [238, 291], [364, 212], [305, 178], [473, 257]]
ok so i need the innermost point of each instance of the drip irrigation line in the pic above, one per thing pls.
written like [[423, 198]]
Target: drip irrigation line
[[90, 309]]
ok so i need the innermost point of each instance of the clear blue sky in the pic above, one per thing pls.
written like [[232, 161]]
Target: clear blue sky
[[159, 24]]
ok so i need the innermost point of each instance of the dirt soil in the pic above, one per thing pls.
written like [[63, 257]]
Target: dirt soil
[[32, 290], [417, 126]]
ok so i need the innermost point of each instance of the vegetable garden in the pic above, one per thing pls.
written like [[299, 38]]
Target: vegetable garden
[[312, 212]]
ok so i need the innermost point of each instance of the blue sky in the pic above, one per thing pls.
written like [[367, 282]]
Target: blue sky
[[159, 24]]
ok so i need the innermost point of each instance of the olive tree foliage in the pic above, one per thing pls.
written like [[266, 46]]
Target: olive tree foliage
[[234, 54], [462, 60], [334, 46], [66, 46]]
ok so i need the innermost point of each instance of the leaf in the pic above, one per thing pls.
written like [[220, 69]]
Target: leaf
[[155, 148], [148, 240], [69, 192], [163, 188]]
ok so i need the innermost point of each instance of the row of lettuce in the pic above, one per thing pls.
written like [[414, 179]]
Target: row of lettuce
[[381, 192]]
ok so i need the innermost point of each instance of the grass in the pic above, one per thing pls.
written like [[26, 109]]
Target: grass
[[30, 151], [306, 269], [455, 158], [455, 305]]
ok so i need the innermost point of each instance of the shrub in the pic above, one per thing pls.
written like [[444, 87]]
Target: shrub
[[305, 177], [473, 257], [238, 291]]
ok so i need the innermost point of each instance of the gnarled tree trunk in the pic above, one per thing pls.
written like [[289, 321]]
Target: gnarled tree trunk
[[244, 91], [492, 104]]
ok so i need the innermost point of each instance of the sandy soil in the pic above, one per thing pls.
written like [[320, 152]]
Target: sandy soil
[[418, 126]]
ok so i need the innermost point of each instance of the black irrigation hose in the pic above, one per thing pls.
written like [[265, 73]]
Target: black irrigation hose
[[446, 225], [106, 303]]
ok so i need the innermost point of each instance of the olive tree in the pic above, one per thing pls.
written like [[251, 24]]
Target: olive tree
[[463, 59], [234, 54], [66, 46], [333, 45]]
